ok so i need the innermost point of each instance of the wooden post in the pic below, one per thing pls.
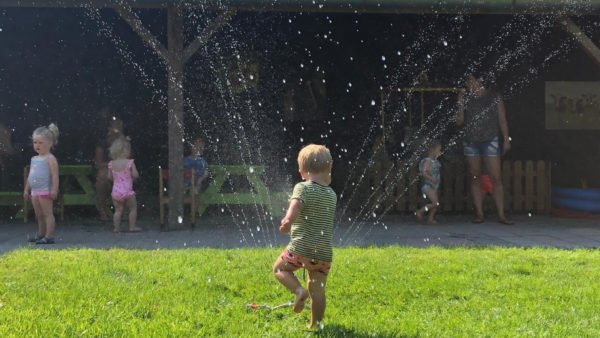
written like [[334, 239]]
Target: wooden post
[[175, 118], [584, 41]]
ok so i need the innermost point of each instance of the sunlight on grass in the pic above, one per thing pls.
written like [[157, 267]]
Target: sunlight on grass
[[382, 292]]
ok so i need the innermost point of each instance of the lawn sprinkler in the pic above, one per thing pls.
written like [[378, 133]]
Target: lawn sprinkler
[[255, 306]]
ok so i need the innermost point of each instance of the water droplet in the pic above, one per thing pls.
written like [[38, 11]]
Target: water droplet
[[258, 229], [382, 58], [372, 102], [184, 244], [208, 280], [251, 170], [157, 241], [251, 77], [179, 219], [529, 214], [445, 43]]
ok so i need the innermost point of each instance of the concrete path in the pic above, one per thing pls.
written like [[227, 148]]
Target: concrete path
[[227, 232]]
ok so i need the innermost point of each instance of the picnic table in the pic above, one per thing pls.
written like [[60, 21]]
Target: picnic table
[[76, 188], [258, 195]]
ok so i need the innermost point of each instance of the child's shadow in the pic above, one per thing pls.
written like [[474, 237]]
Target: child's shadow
[[334, 330]]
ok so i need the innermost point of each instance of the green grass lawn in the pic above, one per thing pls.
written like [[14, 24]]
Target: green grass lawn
[[381, 292]]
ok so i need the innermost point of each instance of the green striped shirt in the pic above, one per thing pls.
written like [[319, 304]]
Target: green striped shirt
[[312, 231]]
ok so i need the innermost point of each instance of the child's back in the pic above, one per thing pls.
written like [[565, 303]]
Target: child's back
[[312, 231]]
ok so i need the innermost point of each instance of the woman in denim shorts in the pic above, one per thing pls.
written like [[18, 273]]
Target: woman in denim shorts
[[483, 117]]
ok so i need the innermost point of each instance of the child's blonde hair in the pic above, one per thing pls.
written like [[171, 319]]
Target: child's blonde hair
[[50, 133], [120, 148], [434, 144], [314, 158]]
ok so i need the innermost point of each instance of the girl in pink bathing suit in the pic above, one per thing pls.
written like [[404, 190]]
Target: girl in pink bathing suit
[[122, 171]]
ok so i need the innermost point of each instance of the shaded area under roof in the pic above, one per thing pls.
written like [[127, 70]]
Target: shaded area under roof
[[361, 6]]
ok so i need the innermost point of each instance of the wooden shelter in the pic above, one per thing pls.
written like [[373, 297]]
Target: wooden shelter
[[175, 54]]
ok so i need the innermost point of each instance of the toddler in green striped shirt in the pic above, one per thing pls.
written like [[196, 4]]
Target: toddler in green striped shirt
[[309, 221]]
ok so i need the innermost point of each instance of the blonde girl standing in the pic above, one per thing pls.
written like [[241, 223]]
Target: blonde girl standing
[[42, 182]]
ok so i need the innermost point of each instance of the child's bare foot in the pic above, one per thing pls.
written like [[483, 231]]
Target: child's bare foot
[[116, 230], [315, 326], [419, 214], [432, 221], [135, 229], [301, 296]]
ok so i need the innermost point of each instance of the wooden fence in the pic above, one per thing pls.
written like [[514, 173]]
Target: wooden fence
[[526, 188]]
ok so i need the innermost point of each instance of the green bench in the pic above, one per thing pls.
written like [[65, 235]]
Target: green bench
[[76, 188], [259, 194]]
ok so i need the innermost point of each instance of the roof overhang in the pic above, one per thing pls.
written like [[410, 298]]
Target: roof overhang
[[562, 7]]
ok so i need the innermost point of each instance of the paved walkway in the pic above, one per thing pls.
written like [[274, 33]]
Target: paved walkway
[[226, 232]]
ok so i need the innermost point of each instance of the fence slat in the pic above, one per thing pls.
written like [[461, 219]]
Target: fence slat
[[459, 187], [506, 183], [529, 190], [517, 186], [542, 187], [448, 175], [401, 192], [414, 195]]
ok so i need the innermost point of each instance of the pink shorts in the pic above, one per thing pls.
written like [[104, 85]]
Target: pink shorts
[[310, 264], [41, 194]]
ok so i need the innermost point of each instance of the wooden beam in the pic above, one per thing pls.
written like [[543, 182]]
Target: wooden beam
[[175, 119], [137, 25], [209, 31], [531, 7], [588, 45]]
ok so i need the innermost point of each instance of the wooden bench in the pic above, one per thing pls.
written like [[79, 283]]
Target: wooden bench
[[188, 198], [76, 188], [258, 195]]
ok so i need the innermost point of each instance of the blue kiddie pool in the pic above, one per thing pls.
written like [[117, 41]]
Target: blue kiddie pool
[[577, 199]]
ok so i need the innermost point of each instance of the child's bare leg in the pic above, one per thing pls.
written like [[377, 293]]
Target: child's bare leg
[[117, 215], [48, 215], [39, 215], [432, 194], [316, 287], [285, 275], [132, 206]]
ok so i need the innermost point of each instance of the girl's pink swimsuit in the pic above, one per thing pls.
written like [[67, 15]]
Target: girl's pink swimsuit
[[122, 182]]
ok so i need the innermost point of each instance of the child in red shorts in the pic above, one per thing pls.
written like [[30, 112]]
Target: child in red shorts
[[309, 221]]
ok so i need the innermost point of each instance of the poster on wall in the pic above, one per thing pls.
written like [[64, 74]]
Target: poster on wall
[[572, 105]]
